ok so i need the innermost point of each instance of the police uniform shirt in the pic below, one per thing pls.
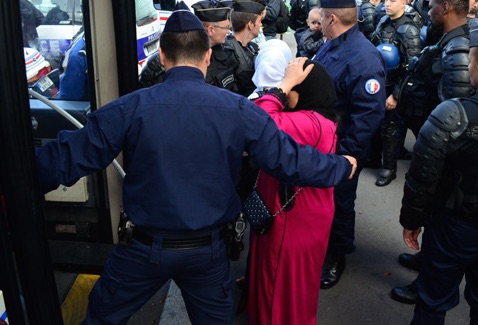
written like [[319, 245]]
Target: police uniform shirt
[[359, 76], [183, 142]]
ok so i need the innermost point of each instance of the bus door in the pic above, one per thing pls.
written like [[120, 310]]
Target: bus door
[[65, 74]]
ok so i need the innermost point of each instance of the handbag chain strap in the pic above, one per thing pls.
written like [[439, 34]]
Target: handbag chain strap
[[288, 201]]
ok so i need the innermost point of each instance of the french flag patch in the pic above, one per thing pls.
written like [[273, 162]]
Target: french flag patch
[[372, 86]]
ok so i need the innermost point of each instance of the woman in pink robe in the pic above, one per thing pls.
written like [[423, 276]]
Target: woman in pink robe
[[286, 262]]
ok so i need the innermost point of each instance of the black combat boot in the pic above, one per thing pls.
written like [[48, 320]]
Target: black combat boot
[[390, 140]]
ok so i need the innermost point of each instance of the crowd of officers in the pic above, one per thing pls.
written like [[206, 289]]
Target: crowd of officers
[[425, 46]]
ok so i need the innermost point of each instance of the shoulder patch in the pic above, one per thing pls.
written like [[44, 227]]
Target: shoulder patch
[[372, 86]]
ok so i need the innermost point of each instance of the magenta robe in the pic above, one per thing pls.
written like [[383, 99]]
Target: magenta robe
[[286, 262]]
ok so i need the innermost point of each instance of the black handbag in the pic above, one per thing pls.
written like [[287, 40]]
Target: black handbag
[[257, 213]]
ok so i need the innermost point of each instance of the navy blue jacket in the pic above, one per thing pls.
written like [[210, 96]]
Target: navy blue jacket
[[183, 142], [358, 71]]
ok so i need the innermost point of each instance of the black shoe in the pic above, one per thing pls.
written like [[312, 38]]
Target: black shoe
[[333, 268], [410, 261], [386, 177], [407, 294]]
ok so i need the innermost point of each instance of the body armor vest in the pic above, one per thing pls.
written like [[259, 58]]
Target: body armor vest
[[245, 57], [220, 71], [404, 35]]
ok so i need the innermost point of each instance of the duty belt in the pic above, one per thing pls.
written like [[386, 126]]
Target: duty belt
[[175, 243]]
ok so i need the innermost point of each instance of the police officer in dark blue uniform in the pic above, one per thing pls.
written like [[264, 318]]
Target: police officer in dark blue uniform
[[359, 75], [183, 141], [441, 192]]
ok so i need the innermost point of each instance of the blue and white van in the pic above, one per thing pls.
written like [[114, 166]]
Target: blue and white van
[[55, 37]]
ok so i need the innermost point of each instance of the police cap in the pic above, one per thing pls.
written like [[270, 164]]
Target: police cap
[[338, 4], [182, 20], [212, 11], [252, 7]]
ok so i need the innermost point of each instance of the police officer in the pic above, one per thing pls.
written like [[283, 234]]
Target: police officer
[[367, 25], [441, 192], [74, 80], [422, 8], [472, 11], [378, 13], [246, 20], [440, 73], [398, 29], [215, 18], [359, 76], [183, 141]]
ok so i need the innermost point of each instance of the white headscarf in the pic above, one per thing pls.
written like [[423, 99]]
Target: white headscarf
[[270, 64]]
